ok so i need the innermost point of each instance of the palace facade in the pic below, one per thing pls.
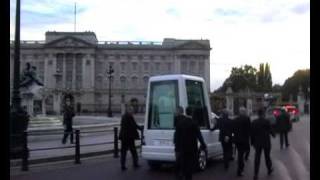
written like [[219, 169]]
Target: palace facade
[[77, 63]]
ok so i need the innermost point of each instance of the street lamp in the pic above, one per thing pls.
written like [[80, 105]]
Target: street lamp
[[18, 117], [109, 73]]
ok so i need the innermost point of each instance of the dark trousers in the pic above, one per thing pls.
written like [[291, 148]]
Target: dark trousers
[[227, 153], [283, 137], [186, 166], [125, 146], [241, 150], [67, 132], [258, 156]]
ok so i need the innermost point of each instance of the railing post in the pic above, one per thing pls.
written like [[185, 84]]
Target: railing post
[[116, 149], [142, 138], [25, 152], [77, 147]]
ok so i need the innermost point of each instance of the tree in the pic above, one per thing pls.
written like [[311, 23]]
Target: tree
[[264, 78], [292, 84], [240, 79]]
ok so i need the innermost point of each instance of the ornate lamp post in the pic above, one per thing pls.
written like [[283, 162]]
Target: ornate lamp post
[[18, 117], [109, 73]]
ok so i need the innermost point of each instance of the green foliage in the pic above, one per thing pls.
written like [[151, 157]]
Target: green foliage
[[292, 84], [248, 77]]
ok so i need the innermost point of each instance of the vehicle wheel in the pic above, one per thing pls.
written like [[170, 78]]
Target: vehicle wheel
[[154, 165], [202, 160]]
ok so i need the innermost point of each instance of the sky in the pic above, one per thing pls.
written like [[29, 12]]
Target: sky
[[240, 31]]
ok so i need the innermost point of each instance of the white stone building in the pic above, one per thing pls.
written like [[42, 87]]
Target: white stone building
[[76, 62]]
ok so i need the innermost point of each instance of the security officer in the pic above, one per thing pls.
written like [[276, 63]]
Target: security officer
[[186, 139], [260, 139], [68, 115], [241, 130], [128, 134], [225, 136]]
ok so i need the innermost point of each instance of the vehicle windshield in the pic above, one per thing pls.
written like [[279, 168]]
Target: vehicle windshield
[[163, 101]]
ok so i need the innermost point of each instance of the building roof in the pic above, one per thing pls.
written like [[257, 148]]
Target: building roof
[[51, 37]]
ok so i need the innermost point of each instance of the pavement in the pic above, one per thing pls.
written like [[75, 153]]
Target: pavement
[[50, 137], [292, 163]]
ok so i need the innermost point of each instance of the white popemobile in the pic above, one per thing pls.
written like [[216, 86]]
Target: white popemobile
[[165, 94]]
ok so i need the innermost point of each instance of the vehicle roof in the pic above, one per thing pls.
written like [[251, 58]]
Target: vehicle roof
[[175, 76]]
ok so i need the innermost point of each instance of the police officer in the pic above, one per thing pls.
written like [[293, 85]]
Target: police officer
[[241, 130], [260, 139]]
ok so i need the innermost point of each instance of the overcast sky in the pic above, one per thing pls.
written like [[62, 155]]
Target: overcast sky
[[240, 31]]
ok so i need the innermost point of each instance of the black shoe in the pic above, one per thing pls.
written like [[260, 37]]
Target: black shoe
[[255, 177], [270, 171], [123, 168], [63, 142], [287, 145]]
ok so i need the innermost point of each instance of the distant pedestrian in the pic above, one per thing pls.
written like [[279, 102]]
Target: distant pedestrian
[[225, 136], [186, 139], [241, 130], [284, 125], [68, 115], [128, 134], [260, 139]]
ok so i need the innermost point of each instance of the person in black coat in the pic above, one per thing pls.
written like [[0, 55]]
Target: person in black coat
[[284, 126], [186, 139], [224, 124], [128, 134], [68, 115], [260, 139], [241, 130]]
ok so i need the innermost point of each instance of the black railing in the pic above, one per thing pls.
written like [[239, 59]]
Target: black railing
[[26, 150]]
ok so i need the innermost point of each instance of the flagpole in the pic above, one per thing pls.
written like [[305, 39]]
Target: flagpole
[[75, 16]]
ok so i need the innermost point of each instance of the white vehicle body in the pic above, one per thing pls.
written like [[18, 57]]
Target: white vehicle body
[[165, 93]]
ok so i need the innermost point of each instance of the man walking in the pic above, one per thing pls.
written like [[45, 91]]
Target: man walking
[[68, 115], [225, 136], [284, 126], [260, 138], [241, 130], [128, 134], [186, 139]]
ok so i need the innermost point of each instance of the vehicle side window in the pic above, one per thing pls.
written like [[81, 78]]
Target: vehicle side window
[[196, 101], [162, 104]]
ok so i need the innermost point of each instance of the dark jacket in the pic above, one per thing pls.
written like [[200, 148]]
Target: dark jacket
[[186, 137], [68, 114], [224, 124], [241, 129], [260, 133], [128, 128], [283, 122]]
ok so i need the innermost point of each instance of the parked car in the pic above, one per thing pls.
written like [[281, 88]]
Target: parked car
[[272, 113], [294, 112]]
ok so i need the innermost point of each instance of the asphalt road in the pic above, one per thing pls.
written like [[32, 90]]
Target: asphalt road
[[292, 163]]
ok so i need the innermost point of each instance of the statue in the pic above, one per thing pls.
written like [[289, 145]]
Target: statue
[[29, 76], [31, 88]]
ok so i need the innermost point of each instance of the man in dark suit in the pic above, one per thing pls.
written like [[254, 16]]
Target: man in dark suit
[[128, 134], [186, 139], [284, 126], [68, 115], [241, 130], [225, 136], [260, 139]]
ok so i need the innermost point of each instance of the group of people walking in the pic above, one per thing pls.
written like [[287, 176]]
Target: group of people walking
[[240, 132]]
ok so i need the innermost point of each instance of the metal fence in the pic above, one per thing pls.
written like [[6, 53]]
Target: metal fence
[[77, 146]]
